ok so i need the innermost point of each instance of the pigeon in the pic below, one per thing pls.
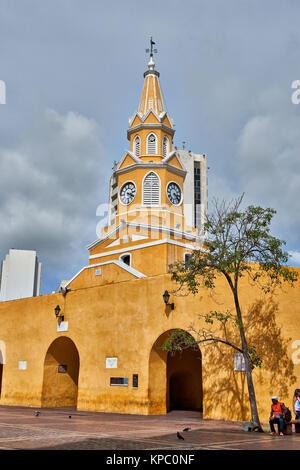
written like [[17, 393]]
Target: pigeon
[[187, 429], [36, 413], [180, 436]]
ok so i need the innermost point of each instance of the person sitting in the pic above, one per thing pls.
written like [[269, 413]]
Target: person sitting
[[296, 403], [277, 416]]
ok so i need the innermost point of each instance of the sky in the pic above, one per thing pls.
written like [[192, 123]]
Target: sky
[[73, 71]]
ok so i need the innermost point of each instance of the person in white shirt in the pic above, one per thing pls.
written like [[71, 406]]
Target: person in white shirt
[[296, 403]]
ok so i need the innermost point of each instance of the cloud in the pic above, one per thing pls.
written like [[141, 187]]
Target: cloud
[[268, 163], [50, 186], [295, 257]]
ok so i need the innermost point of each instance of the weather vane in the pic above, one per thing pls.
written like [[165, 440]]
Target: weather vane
[[151, 50]]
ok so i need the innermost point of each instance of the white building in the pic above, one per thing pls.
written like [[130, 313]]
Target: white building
[[20, 275], [195, 188]]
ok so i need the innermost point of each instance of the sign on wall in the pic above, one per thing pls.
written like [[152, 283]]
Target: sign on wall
[[239, 362], [22, 365], [62, 369], [111, 362], [63, 326], [123, 381], [135, 381]]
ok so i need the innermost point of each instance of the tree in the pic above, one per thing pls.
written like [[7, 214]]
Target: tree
[[238, 243]]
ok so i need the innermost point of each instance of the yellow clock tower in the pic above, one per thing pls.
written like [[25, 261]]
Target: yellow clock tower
[[147, 229]]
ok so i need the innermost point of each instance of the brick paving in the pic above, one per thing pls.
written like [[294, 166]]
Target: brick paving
[[20, 429]]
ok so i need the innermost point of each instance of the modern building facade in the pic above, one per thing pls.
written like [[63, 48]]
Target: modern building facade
[[20, 275]]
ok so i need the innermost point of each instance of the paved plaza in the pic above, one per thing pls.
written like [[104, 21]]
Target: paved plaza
[[54, 429]]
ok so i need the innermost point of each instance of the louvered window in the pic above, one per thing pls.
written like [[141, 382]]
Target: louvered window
[[151, 190], [151, 144], [137, 145], [150, 102], [165, 146]]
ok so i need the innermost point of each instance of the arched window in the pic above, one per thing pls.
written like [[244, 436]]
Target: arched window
[[165, 145], [151, 190], [151, 144], [137, 145]]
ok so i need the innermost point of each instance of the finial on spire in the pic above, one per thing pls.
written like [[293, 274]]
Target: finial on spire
[[151, 63], [151, 50]]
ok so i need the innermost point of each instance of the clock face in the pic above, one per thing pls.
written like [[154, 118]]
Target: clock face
[[174, 193], [127, 193]]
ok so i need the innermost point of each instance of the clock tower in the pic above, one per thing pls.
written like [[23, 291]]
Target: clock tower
[[147, 227]]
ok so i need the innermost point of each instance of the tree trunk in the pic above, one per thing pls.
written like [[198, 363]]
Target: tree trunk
[[252, 398]]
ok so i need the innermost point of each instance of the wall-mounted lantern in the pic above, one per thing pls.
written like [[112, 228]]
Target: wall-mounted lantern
[[166, 297], [59, 317]]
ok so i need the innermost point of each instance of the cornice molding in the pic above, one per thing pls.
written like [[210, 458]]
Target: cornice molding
[[146, 245], [146, 125], [154, 165], [156, 228]]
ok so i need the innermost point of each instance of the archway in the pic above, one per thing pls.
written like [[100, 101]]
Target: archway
[[61, 370], [1, 374], [2, 362], [184, 373], [175, 380]]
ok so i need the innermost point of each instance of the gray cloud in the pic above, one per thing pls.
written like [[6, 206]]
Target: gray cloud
[[50, 185], [268, 162]]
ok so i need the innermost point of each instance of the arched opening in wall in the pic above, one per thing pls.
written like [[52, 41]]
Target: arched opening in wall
[[175, 380], [1, 374], [61, 370], [185, 380], [2, 362]]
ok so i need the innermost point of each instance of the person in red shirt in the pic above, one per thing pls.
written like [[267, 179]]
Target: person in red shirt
[[277, 416]]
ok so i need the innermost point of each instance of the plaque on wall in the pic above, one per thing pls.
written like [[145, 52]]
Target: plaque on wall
[[62, 369], [22, 365], [111, 362], [63, 326], [239, 362], [123, 381], [135, 380]]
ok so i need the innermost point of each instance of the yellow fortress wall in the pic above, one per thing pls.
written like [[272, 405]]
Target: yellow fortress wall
[[124, 320]]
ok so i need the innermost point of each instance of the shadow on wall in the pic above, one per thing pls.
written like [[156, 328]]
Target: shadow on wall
[[272, 347], [228, 391]]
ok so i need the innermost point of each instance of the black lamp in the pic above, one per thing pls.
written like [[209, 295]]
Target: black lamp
[[58, 316], [166, 297]]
